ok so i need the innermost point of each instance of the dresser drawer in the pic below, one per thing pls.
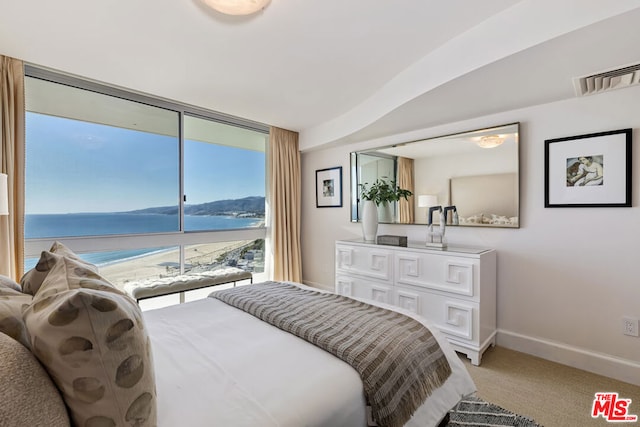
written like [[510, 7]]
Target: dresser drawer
[[454, 288], [456, 318], [368, 289], [449, 274], [365, 261]]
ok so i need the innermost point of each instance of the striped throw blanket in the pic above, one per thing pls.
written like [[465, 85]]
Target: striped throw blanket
[[398, 359]]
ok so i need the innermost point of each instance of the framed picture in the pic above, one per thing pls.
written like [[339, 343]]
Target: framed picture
[[329, 188], [591, 170]]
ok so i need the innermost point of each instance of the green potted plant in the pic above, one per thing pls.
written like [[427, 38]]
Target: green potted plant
[[380, 193]]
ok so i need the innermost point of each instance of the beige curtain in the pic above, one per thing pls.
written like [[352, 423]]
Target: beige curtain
[[12, 163], [284, 198], [405, 181]]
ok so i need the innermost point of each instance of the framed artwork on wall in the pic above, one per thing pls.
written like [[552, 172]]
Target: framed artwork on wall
[[592, 170], [329, 188]]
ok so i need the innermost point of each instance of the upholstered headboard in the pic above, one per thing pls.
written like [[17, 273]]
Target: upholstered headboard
[[486, 199], [28, 396]]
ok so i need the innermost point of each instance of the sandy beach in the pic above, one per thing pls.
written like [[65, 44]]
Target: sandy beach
[[167, 263]]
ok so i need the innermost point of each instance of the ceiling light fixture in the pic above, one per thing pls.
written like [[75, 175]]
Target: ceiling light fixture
[[490, 141], [237, 7]]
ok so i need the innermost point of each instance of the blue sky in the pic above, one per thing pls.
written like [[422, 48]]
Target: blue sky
[[75, 166]]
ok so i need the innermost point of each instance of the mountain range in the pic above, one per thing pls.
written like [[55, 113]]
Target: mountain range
[[247, 206]]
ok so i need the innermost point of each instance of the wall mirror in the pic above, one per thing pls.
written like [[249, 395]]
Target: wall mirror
[[475, 171]]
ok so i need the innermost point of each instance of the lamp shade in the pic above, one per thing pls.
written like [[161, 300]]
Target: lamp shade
[[237, 7], [427, 200], [4, 195]]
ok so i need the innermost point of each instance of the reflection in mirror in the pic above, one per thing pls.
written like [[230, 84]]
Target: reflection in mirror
[[475, 171]]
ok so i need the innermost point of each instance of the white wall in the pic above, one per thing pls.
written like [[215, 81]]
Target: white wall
[[565, 278]]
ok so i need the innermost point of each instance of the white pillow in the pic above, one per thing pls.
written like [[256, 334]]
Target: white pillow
[[475, 219], [499, 219]]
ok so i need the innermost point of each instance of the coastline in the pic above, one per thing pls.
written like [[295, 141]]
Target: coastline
[[167, 262], [39, 226], [122, 266]]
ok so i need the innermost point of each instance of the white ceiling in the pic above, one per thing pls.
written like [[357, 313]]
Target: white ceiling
[[334, 70]]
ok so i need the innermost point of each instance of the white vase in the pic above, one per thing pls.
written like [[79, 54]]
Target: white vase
[[369, 220], [385, 212]]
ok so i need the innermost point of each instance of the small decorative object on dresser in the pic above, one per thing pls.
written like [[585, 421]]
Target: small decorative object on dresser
[[392, 240], [455, 288], [369, 220]]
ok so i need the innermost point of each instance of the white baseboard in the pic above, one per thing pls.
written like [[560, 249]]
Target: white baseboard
[[318, 285], [597, 363]]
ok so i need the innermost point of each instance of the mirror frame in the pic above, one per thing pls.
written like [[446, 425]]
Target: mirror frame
[[476, 134]]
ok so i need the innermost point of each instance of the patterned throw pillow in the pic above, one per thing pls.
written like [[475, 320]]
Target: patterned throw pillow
[[12, 303], [32, 279], [92, 340]]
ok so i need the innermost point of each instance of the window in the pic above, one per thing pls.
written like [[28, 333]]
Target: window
[[95, 162], [138, 184], [224, 176]]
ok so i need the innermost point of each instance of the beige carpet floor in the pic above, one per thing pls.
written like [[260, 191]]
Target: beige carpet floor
[[554, 395]]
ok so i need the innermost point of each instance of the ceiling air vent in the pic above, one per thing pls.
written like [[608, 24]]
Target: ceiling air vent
[[607, 80]]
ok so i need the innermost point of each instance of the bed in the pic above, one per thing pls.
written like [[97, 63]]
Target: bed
[[213, 364]]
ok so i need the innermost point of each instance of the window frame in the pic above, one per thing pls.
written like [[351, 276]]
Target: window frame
[[86, 244]]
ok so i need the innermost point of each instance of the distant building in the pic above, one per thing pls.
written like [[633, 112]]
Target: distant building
[[255, 254]]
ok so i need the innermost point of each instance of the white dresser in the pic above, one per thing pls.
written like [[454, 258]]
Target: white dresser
[[455, 287]]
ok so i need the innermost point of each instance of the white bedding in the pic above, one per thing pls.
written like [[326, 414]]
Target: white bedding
[[219, 366]]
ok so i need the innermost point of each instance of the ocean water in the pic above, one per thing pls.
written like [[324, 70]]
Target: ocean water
[[100, 224]]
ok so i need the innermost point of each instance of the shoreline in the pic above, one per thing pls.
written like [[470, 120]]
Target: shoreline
[[166, 263], [131, 258]]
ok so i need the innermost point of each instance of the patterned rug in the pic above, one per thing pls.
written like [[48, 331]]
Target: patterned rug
[[473, 411]]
